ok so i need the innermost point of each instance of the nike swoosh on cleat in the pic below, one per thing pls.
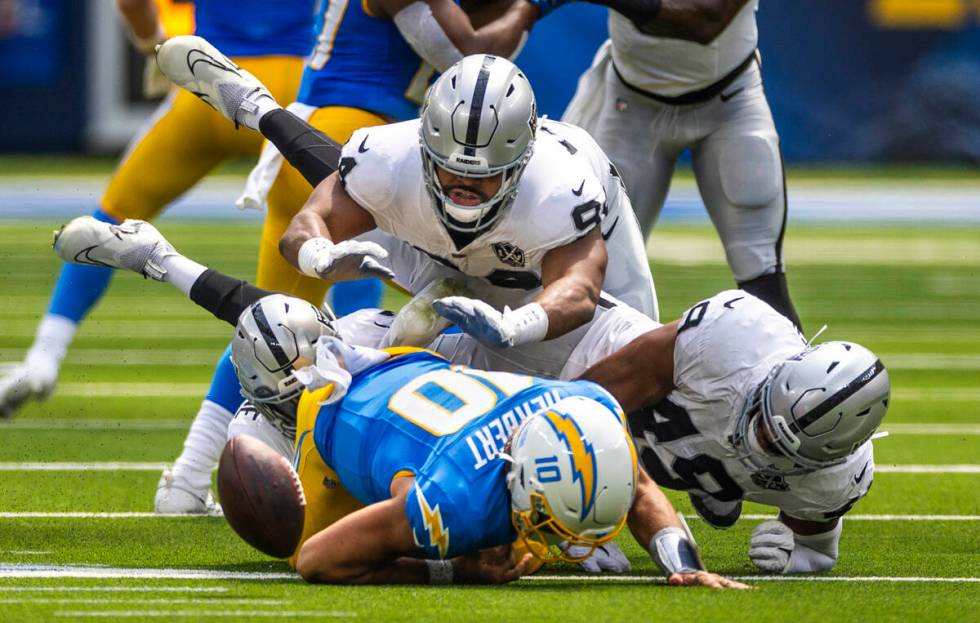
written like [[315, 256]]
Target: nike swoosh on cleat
[[607, 233], [83, 257], [727, 96], [361, 148], [578, 193], [203, 57]]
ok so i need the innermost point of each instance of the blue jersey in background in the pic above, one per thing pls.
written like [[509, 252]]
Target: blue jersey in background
[[256, 27]]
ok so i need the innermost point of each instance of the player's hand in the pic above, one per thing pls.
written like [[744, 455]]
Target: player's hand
[[347, 260], [605, 558], [491, 566], [771, 546], [476, 318], [704, 578]]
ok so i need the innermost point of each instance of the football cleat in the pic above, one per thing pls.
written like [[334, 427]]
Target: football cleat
[[21, 383], [133, 245], [176, 497], [717, 513], [197, 66]]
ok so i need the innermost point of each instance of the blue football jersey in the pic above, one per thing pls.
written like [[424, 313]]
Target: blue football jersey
[[362, 61], [447, 425], [256, 27]]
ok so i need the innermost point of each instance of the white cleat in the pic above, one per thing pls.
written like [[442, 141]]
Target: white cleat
[[197, 66], [21, 383], [176, 497], [133, 245]]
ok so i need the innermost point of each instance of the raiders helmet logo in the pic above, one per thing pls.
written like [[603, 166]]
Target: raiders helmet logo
[[509, 253]]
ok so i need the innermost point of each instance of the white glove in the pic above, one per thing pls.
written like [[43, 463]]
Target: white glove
[[607, 557], [337, 363], [503, 330], [771, 546], [417, 323], [344, 261]]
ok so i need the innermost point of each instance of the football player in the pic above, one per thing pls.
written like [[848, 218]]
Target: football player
[[446, 460], [179, 145], [678, 76], [371, 65], [733, 404]]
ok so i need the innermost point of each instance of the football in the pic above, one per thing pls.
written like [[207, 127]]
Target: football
[[261, 496]]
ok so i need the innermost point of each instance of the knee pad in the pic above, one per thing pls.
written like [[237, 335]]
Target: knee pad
[[751, 171]]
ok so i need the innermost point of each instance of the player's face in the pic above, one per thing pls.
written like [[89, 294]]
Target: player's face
[[468, 191]]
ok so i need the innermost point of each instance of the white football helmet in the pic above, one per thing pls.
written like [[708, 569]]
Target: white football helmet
[[813, 410], [573, 478], [478, 120], [275, 336]]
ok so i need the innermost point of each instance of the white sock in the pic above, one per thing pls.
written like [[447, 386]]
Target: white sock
[[203, 445], [54, 335], [255, 106], [182, 272]]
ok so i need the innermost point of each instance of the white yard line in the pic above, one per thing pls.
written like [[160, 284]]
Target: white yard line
[[147, 390], [18, 570], [927, 469], [139, 614], [932, 429], [868, 517], [98, 425], [220, 601], [129, 356], [98, 466], [656, 579], [135, 515], [952, 394], [931, 361], [113, 589]]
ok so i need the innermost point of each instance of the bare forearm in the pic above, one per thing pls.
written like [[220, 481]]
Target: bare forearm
[[569, 302], [141, 16], [651, 512], [502, 36]]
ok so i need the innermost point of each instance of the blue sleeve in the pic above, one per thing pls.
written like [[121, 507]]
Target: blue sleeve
[[431, 515]]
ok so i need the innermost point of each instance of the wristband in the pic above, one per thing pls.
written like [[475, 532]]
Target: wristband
[[309, 252], [530, 323], [440, 571], [674, 552]]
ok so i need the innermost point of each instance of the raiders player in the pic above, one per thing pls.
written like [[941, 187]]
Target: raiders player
[[489, 195], [678, 76], [733, 405]]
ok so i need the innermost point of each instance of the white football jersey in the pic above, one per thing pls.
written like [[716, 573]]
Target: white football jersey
[[560, 198], [672, 67], [725, 347]]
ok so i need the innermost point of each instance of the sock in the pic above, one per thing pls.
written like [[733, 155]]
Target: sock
[[349, 296], [79, 288], [256, 105], [182, 272], [54, 335], [209, 432], [772, 289]]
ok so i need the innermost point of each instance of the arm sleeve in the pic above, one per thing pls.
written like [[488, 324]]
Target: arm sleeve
[[313, 153], [224, 296], [425, 35]]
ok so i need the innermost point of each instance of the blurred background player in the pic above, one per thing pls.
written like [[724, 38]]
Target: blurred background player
[[685, 75], [371, 65], [180, 144]]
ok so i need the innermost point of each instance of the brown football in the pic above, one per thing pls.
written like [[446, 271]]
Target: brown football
[[261, 496]]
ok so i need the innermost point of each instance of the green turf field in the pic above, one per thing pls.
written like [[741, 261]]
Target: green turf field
[[143, 360]]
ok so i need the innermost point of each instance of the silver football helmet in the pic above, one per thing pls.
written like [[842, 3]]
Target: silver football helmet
[[813, 410], [478, 120], [276, 335]]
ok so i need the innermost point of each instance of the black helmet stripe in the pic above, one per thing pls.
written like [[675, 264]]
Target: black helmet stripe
[[840, 396], [476, 106], [269, 336]]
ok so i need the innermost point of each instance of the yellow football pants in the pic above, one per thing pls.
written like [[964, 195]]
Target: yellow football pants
[[185, 140], [288, 195], [326, 499]]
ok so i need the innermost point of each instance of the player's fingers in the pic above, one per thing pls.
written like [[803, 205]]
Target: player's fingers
[[370, 266], [519, 569], [728, 583]]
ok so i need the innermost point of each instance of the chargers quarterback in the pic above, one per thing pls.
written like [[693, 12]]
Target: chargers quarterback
[[447, 461]]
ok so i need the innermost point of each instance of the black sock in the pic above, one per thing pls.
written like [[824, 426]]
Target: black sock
[[313, 153], [224, 296], [772, 289]]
